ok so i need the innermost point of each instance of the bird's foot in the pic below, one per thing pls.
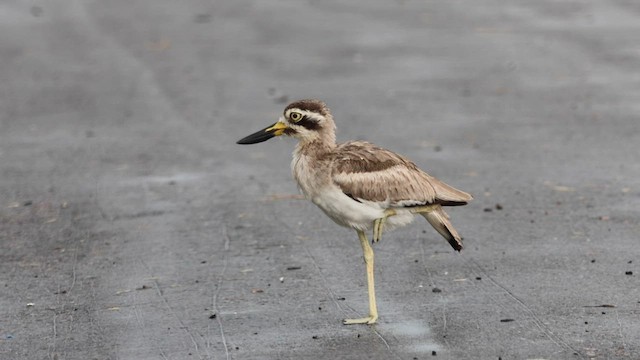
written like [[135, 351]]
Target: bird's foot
[[371, 319], [378, 225]]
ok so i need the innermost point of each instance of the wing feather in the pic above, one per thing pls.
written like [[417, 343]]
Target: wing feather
[[366, 172]]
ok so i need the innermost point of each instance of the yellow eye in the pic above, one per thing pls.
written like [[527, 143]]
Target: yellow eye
[[295, 116]]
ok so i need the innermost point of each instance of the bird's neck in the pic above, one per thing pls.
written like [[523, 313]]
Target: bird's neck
[[316, 147]]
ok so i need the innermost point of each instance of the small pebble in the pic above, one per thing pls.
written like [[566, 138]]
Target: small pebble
[[498, 206]]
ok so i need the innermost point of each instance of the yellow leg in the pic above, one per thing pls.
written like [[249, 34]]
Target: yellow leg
[[378, 225], [423, 209], [368, 260]]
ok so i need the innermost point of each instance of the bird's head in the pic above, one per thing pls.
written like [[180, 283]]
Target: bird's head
[[306, 120]]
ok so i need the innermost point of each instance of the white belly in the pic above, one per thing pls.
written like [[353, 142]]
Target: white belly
[[357, 215], [317, 186]]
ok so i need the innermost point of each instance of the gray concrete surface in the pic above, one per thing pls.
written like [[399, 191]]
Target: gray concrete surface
[[133, 227]]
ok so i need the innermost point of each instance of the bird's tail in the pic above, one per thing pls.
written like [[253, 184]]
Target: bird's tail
[[440, 221]]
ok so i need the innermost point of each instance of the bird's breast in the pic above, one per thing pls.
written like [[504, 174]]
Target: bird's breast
[[314, 180], [310, 175]]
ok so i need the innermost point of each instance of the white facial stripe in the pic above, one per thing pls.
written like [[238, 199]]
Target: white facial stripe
[[309, 114]]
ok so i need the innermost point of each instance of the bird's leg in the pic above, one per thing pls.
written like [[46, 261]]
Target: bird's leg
[[423, 209], [368, 260], [378, 225]]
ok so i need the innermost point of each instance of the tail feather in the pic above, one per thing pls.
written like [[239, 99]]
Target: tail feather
[[440, 221]]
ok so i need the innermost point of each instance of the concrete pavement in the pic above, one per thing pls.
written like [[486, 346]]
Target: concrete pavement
[[133, 227]]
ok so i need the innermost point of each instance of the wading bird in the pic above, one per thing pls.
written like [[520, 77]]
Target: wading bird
[[360, 185]]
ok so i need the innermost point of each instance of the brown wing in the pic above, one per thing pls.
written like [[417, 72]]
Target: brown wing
[[366, 172]]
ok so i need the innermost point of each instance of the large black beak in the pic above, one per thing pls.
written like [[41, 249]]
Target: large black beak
[[265, 134]]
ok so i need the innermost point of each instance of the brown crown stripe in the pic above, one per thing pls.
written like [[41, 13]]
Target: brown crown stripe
[[309, 105]]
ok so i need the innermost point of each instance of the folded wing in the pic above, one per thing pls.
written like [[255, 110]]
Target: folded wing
[[366, 172]]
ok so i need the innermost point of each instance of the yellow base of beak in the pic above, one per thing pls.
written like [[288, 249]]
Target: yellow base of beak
[[278, 128]]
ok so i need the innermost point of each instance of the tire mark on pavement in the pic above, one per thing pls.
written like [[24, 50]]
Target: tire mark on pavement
[[172, 311], [73, 269], [622, 339], [555, 338], [423, 256], [52, 348], [216, 294], [325, 282]]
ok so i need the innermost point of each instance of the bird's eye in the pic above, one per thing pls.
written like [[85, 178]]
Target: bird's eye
[[295, 116]]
